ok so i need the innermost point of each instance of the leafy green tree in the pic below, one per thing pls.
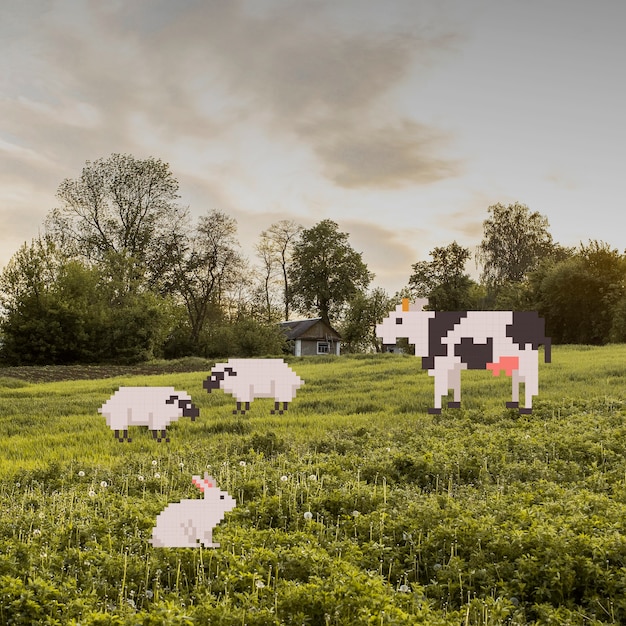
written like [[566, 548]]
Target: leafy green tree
[[582, 296], [514, 242], [359, 325], [326, 272], [443, 280], [57, 310], [120, 208]]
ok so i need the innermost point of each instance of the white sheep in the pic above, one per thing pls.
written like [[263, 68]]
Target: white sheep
[[154, 407], [247, 379], [190, 523]]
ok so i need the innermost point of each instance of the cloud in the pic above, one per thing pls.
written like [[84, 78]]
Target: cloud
[[385, 157]]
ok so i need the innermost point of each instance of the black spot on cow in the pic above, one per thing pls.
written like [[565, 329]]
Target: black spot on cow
[[438, 327], [528, 327], [476, 355]]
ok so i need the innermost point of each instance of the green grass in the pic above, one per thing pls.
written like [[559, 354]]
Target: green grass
[[475, 516]]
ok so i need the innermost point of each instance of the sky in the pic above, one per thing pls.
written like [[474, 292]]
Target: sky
[[402, 120]]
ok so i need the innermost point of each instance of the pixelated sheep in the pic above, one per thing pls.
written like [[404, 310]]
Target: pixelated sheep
[[449, 342], [247, 379], [154, 407], [190, 523]]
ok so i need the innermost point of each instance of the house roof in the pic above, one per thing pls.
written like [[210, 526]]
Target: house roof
[[296, 328]]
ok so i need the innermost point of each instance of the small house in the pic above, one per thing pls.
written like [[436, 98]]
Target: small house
[[311, 337]]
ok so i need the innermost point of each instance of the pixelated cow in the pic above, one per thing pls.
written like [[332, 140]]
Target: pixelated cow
[[448, 342], [154, 407], [247, 379]]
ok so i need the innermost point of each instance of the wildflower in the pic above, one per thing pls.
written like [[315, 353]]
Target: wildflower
[[103, 484], [404, 588], [18, 485], [154, 463], [259, 584], [284, 478], [149, 593], [181, 465], [140, 478], [308, 515], [312, 477], [92, 493], [242, 463], [81, 473], [36, 532], [355, 514], [157, 475]]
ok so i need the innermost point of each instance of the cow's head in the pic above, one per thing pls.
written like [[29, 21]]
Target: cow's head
[[409, 321], [214, 381]]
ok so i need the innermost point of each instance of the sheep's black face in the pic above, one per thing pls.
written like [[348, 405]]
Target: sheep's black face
[[189, 409], [214, 380]]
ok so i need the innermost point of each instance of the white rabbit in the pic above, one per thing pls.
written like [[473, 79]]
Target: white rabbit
[[190, 523]]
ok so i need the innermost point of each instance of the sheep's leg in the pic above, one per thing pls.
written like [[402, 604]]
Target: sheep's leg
[[160, 435], [123, 437], [277, 408], [242, 410]]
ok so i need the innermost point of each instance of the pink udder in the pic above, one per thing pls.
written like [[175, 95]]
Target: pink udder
[[506, 364]]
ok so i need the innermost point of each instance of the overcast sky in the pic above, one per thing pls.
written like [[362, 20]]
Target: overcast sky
[[402, 120]]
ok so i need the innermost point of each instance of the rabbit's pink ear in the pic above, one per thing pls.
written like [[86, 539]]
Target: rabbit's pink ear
[[198, 482], [209, 481]]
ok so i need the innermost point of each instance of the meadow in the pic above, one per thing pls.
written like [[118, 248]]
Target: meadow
[[354, 507]]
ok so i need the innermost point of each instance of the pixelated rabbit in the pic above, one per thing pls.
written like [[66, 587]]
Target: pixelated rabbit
[[190, 523]]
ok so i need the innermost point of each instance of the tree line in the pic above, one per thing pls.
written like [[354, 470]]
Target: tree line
[[120, 273]]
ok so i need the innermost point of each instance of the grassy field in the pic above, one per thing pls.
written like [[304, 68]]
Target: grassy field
[[355, 507]]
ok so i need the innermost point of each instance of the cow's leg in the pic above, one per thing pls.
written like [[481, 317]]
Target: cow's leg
[[530, 378], [515, 382], [454, 383], [441, 389]]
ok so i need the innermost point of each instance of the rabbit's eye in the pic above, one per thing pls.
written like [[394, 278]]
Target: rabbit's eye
[[221, 497]]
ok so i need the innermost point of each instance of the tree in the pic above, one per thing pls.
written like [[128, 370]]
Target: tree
[[275, 250], [514, 242], [364, 312], [582, 296], [443, 280], [204, 266], [326, 272], [120, 208], [58, 310]]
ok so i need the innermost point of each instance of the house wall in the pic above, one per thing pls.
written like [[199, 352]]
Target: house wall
[[309, 347]]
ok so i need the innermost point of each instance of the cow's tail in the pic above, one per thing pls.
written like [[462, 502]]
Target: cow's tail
[[547, 350]]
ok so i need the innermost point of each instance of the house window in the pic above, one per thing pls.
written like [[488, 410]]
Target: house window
[[323, 347]]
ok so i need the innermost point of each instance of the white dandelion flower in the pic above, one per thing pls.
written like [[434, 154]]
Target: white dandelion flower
[[308, 515]]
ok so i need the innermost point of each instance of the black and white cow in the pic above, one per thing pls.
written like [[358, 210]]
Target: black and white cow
[[451, 341]]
